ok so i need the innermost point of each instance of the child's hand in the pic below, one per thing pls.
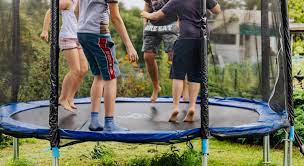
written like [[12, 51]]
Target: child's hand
[[132, 54], [45, 36], [145, 14]]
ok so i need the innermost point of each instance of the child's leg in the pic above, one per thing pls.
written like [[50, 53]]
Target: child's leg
[[177, 90], [96, 95], [186, 90], [152, 69], [193, 93], [151, 45], [71, 79], [110, 88], [82, 61]]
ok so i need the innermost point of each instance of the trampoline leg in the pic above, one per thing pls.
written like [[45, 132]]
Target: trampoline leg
[[98, 144], [55, 162], [205, 160], [16, 148], [290, 153], [266, 151], [55, 152], [291, 139], [204, 152], [286, 144]]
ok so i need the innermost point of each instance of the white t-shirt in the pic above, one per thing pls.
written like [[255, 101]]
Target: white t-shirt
[[93, 14], [69, 22]]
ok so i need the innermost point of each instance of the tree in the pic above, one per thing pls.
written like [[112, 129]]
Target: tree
[[5, 47], [296, 10]]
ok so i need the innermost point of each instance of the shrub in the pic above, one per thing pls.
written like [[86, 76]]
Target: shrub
[[5, 141], [171, 158], [101, 151]]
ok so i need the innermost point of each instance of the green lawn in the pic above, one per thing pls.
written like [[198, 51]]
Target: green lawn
[[34, 152]]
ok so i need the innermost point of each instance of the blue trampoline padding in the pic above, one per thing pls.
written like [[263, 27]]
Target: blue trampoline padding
[[268, 121]]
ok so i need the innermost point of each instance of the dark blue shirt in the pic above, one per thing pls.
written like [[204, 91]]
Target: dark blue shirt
[[155, 6], [189, 14]]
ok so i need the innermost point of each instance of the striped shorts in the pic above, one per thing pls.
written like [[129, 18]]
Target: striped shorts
[[99, 50]]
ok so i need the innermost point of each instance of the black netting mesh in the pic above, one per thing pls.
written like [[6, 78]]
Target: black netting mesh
[[246, 55]]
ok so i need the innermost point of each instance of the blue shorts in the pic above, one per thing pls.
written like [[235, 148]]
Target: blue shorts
[[99, 50], [187, 60]]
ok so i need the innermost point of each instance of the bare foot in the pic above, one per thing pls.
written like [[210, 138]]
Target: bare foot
[[155, 94], [173, 117], [190, 116], [65, 104], [73, 106]]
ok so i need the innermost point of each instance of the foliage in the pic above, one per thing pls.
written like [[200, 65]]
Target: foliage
[[235, 80], [299, 112], [101, 151], [5, 141], [298, 45], [103, 155], [174, 157], [296, 10]]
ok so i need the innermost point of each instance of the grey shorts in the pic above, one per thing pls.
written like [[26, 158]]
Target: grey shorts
[[154, 35]]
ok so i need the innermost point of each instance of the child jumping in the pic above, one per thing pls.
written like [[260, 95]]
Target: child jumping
[[95, 38], [156, 32], [73, 53], [187, 49]]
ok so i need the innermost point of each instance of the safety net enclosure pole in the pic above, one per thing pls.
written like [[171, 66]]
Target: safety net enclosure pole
[[204, 85], [265, 43], [54, 56], [289, 85]]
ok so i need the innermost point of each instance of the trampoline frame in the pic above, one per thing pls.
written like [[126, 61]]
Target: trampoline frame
[[268, 122]]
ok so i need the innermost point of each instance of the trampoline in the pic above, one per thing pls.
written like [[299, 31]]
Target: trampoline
[[147, 122], [246, 60]]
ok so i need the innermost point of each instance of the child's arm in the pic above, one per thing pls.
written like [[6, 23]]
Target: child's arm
[[122, 31], [77, 9], [63, 5], [46, 23], [155, 16], [216, 9], [146, 9]]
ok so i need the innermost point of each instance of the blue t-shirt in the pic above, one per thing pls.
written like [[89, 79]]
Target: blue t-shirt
[[189, 14]]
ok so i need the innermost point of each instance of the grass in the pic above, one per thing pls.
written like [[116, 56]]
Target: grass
[[34, 152]]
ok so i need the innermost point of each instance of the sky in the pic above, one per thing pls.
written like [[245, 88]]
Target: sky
[[133, 3]]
